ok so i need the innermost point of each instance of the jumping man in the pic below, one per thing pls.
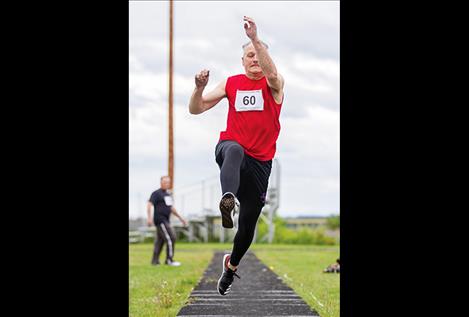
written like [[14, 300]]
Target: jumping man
[[245, 150]]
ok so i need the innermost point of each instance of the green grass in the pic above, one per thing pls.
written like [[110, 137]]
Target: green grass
[[162, 290], [300, 267]]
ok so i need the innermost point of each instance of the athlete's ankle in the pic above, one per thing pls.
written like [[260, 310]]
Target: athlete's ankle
[[232, 267]]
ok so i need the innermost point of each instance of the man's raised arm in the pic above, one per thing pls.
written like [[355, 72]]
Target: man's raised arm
[[274, 79], [199, 103]]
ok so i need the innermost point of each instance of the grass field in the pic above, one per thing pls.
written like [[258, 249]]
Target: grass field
[[161, 291]]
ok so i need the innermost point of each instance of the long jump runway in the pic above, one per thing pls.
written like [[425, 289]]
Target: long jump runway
[[259, 292]]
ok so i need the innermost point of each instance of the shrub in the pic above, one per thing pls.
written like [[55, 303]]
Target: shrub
[[333, 222], [302, 235]]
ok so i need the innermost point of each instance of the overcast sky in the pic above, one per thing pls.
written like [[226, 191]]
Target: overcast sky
[[303, 39]]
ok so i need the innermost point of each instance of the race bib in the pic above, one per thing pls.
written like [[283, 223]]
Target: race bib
[[168, 200], [249, 100]]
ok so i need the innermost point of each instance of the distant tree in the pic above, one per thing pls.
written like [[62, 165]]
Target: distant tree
[[333, 222]]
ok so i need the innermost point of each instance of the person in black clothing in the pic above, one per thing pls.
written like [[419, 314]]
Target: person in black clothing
[[162, 203]]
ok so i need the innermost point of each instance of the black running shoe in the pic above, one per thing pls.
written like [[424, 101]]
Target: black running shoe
[[226, 278], [228, 206]]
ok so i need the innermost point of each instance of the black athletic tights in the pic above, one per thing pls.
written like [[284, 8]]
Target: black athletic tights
[[247, 178]]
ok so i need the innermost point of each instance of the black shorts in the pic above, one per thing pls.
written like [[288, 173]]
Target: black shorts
[[254, 176]]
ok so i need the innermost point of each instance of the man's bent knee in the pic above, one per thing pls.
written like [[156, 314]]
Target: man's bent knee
[[235, 150]]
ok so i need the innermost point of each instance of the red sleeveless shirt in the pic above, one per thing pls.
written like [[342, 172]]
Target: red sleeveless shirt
[[253, 116]]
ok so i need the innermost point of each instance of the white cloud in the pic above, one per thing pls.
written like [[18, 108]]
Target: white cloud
[[310, 64], [314, 136]]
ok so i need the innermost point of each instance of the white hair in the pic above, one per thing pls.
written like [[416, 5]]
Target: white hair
[[248, 43]]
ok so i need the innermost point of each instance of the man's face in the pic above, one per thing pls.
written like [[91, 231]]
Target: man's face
[[165, 183], [250, 62]]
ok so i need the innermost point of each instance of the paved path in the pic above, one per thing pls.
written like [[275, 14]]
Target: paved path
[[259, 292]]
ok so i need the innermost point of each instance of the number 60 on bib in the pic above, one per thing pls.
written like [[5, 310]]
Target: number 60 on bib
[[249, 100]]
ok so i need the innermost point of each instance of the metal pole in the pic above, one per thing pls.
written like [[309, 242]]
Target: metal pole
[[139, 198], [210, 204], [278, 182], [170, 121], [203, 194]]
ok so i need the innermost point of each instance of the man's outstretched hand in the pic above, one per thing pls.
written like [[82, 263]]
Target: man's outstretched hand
[[201, 79], [250, 27]]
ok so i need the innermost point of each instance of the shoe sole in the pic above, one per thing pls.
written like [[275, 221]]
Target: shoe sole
[[227, 205], [219, 280]]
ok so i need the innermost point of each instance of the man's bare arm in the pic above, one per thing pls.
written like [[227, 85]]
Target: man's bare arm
[[274, 79], [149, 214], [200, 103], [173, 210]]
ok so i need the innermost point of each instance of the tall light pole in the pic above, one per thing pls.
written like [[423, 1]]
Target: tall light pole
[[170, 121]]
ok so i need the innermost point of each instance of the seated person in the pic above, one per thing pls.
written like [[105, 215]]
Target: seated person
[[333, 268]]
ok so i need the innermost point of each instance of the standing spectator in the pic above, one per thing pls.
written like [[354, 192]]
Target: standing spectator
[[162, 202]]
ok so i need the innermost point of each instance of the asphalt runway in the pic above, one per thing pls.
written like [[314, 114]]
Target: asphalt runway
[[259, 292]]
